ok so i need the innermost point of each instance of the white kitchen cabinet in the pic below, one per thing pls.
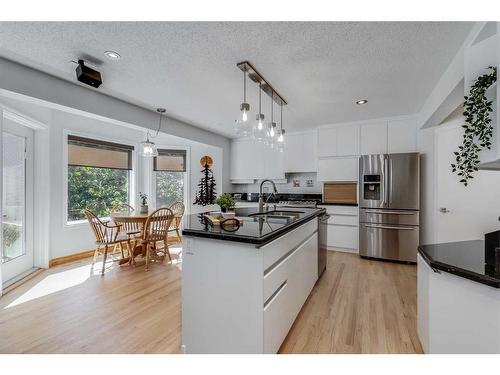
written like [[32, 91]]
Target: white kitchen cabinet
[[456, 315], [402, 136], [242, 298], [338, 169], [251, 160], [301, 275], [327, 142], [347, 140], [300, 153], [342, 228], [339, 140], [373, 138]]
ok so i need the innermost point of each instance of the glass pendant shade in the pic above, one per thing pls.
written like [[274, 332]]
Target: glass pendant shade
[[148, 149], [259, 129], [243, 128]]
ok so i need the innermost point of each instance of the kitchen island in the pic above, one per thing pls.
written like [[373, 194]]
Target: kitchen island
[[243, 289], [458, 296]]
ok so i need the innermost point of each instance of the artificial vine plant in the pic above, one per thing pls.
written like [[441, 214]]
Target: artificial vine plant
[[477, 128]]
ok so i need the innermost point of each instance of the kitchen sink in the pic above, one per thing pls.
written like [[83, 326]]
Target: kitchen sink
[[276, 213]]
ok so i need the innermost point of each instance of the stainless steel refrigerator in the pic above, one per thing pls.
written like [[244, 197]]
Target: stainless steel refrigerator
[[389, 201]]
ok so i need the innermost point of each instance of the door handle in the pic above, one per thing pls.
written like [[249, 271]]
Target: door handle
[[390, 213], [389, 193], [388, 227]]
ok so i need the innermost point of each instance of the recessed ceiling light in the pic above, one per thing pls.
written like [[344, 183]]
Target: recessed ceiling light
[[362, 101], [112, 55]]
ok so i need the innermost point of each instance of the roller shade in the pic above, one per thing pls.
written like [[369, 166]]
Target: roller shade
[[85, 152], [170, 161]]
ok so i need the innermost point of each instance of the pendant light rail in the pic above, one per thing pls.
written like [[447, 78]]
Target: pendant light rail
[[255, 76]]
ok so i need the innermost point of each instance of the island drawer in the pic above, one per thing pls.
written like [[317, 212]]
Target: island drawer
[[272, 252], [275, 277]]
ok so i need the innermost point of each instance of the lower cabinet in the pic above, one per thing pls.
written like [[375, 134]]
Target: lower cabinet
[[295, 276], [242, 298], [343, 227]]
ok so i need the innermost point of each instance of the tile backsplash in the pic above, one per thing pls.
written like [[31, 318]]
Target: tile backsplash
[[297, 183]]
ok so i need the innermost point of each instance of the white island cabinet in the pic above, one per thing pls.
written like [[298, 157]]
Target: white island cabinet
[[456, 315], [241, 298]]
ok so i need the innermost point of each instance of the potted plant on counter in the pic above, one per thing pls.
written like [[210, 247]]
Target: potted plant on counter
[[144, 203], [225, 201]]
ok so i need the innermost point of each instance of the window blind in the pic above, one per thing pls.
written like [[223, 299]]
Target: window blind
[[170, 161], [86, 152]]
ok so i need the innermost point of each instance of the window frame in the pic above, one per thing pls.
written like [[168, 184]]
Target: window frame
[[132, 173], [187, 176]]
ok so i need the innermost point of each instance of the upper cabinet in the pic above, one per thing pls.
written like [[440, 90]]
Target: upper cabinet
[[402, 136], [300, 153], [251, 160], [340, 140], [327, 142], [373, 138]]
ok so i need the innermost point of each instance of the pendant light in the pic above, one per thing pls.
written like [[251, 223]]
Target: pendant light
[[147, 148], [281, 133], [271, 129], [259, 131], [244, 107], [242, 126]]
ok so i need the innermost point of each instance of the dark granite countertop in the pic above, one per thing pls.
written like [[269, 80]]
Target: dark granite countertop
[[465, 259], [254, 230], [338, 204]]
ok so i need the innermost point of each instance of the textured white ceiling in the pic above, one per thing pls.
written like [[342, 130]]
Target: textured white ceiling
[[320, 68]]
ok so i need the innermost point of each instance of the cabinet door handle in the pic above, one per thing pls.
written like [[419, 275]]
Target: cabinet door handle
[[275, 294]]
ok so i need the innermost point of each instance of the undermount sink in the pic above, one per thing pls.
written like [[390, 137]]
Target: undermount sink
[[276, 213]]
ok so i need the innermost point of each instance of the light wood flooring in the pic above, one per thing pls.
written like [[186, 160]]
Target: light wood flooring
[[358, 306]]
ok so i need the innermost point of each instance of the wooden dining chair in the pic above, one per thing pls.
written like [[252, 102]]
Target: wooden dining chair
[[178, 211], [155, 232], [122, 207], [106, 235], [132, 229]]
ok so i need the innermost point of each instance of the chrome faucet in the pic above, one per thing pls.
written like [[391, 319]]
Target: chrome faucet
[[261, 195]]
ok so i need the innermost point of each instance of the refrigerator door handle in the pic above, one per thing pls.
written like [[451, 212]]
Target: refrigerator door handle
[[389, 227], [390, 181], [386, 182], [389, 212]]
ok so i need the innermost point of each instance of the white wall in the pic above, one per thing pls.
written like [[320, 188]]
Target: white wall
[[474, 209], [69, 239], [427, 183]]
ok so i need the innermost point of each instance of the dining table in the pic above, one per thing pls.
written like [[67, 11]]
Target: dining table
[[137, 219]]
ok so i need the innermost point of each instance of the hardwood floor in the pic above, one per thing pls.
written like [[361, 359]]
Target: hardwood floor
[[358, 306]]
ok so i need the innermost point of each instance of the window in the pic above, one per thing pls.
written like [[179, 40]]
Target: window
[[170, 173], [98, 176]]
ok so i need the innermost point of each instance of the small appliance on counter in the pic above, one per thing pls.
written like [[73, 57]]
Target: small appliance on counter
[[389, 202]]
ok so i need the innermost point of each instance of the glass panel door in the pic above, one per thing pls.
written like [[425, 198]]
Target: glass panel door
[[13, 197], [17, 251]]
